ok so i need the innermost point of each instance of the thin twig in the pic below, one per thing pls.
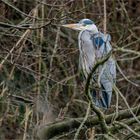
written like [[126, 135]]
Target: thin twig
[[105, 19], [81, 125], [118, 91], [125, 76], [18, 10]]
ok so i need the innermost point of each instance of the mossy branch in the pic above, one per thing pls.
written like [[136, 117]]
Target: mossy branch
[[51, 130]]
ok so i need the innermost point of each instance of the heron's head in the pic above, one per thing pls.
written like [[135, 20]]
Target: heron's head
[[84, 24]]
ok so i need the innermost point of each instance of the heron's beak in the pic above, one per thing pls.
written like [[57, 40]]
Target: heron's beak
[[74, 26]]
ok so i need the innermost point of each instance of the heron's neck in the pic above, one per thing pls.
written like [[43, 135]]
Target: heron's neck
[[95, 32], [93, 29]]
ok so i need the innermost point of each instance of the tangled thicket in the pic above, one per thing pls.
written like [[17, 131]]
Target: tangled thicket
[[39, 78]]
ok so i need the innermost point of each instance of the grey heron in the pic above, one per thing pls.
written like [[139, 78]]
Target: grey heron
[[94, 45]]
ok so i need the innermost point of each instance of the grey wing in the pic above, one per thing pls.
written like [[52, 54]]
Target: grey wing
[[102, 44], [108, 76], [112, 68], [109, 72], [110, 65]]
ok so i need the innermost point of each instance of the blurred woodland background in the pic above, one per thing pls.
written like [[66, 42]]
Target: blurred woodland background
[[39, 77]]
